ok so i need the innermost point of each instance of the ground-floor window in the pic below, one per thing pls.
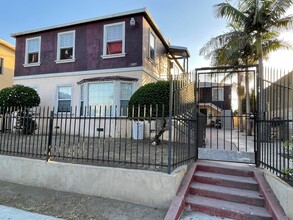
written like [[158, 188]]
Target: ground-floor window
[[64, 95], [108, 98], [126, 93], [101, 98]]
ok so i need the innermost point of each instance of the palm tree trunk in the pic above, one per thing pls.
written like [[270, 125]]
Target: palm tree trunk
[[239, 102]]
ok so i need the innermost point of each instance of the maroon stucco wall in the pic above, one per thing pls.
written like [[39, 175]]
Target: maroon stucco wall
[[206, 97], [88, 48]]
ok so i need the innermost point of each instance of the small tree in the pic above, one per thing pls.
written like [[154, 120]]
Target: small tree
[[155, 95], [20, 98]]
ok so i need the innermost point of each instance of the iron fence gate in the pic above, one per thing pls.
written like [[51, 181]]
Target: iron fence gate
[[223, 96], [185, 127]]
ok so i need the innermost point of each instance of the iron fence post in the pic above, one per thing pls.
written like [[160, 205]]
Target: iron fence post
[[50, 135], [196, 114], [170, 124]]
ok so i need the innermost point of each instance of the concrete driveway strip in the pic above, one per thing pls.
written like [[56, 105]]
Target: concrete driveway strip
[[8, 213]]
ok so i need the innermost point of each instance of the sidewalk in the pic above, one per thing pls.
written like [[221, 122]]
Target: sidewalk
[[8, 213]]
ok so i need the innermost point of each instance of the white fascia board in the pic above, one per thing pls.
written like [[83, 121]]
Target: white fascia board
[[111, 16], [48, 75]]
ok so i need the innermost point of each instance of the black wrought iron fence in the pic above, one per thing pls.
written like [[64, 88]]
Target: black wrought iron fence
[[99, 136], [275, 122]]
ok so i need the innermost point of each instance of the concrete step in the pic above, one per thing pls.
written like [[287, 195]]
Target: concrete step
[[222, 169], [226, 209], [244, 196], [226, 180]]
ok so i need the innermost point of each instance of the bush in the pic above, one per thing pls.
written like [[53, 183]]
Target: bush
[[151, 94], [19, 96]]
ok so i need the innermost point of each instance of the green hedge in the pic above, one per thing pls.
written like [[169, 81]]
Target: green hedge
[[152, 94], [19, 96]]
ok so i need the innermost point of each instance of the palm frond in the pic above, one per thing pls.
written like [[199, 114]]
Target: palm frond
[[283, 24], [226, 10], [279, 7]]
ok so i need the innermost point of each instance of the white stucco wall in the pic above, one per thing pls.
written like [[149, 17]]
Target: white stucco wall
[[148, 188], [46, 84]]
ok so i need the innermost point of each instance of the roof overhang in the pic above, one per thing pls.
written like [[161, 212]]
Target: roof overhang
[[179, 52], [108, 78], [100, 18]]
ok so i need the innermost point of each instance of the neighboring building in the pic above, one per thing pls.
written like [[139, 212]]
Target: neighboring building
[[215, 102], [96, 62], [279, 106], [6, 64]]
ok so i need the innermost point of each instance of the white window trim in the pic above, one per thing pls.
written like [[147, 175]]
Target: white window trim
[[120, 98], [155, 39], [26, 64], [56, 98], [58, 60], [117, 93], [107, 56], [218, 96]]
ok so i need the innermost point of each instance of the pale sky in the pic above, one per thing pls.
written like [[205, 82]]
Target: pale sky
[[189, 23]]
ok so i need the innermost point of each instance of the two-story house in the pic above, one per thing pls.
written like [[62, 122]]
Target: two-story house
[[279, 106], [95, 62], [7, 52], [215, 102]]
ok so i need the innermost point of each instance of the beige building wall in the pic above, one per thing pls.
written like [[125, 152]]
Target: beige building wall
[[7, 52], [46, 84]]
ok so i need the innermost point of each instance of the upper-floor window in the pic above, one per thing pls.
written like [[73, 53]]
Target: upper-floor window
[[64, 98], [114, 40], [218, 94], [66, 46], [1, 65], [32, 51], [152, 47]]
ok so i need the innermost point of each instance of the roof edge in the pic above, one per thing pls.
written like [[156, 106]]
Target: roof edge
[[5, 43], [115, 15]]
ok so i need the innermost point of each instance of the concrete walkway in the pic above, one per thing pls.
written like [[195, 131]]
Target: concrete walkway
[[200, 216], [229, 140], [8, 213]]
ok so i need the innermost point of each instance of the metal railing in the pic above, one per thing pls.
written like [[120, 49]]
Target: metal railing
[[275, 140], [101, 136]]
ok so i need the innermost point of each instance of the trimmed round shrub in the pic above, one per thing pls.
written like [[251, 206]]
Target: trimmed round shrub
[[19, 96], [155, 95], [20, 99]]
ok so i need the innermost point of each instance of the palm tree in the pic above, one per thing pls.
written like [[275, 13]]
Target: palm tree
[[225, 50], [251, 37], [257, 18]]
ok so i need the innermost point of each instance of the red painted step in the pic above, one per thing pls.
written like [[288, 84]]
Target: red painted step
[[226, 180], [227, 209], [249, 197], [233, 191], [222, 169]]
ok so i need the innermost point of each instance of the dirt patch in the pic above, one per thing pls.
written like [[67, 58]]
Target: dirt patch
[[72, 205]]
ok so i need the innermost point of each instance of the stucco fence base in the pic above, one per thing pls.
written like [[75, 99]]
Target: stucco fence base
[[148, 188], [282, 191]]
